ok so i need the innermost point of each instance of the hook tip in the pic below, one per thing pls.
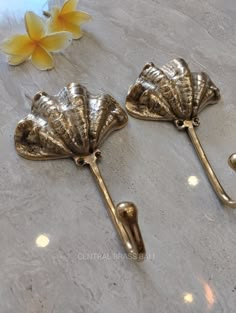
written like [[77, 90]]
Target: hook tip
[[232, 161], [127, 213]]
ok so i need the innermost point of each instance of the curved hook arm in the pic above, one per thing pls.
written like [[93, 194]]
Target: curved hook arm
[[124, 215], [222, 195]]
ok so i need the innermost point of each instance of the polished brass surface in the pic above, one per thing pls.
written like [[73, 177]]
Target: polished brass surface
[[73, 124], [174, 93], [232, 161]]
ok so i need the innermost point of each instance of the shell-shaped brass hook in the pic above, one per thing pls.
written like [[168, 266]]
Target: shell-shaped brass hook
[[73, 124], [174, 93]]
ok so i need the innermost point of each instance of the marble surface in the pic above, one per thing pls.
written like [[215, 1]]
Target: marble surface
[[59, 252]]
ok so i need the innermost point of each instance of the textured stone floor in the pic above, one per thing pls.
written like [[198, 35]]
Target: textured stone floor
[[59, 252]]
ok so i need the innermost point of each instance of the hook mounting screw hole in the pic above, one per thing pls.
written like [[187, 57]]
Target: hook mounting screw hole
[[81, 162], [196, 121], [98, 154]]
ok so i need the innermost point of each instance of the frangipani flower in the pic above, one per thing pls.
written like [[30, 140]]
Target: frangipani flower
[[36, 44], [67, 18]]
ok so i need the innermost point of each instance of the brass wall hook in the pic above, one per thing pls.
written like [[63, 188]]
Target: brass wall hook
[[73, 124], [174, 93]]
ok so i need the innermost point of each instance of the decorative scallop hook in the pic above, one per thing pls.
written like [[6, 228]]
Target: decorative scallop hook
[[73, 124], [174, 93]]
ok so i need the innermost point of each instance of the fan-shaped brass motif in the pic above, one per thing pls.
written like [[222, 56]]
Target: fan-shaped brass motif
[[73, 124]]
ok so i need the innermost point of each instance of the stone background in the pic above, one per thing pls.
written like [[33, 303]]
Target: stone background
[[190, 237]]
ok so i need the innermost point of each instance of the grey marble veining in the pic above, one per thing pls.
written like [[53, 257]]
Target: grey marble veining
[[190, 237]]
